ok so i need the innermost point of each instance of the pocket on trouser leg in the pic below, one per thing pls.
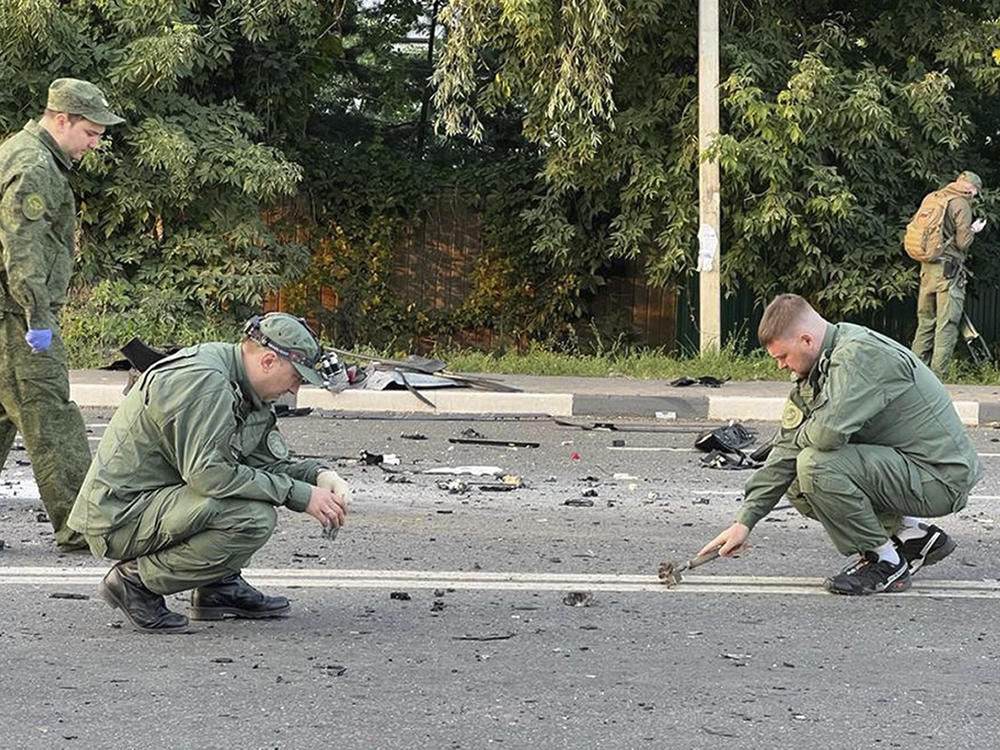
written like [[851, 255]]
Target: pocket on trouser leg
[[800, 502]]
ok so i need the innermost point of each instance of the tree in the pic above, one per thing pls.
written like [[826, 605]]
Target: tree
[[173, 205], [836, 119]]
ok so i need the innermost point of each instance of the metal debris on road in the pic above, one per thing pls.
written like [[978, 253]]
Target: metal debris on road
[[578, 599], [501, 443], [669, 572], [506, 637]]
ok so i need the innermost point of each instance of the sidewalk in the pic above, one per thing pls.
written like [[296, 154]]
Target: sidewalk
[[561, 396]]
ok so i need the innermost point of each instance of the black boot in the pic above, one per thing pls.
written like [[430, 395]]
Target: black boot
[[234, 597], [123, 588]]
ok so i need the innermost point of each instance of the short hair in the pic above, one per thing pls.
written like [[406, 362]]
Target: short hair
[[73, 119], [784, 312]]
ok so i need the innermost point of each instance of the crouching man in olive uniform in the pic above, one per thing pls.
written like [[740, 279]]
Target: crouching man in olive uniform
[[869, 445], [186, 481]]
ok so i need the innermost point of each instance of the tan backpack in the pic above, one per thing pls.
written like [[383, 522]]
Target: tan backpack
[[924, 239]]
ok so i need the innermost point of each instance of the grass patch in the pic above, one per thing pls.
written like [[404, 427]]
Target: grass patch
[[637, 363]]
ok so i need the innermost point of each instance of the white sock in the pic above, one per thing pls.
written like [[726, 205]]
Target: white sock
[[887, 552], [912, 528]]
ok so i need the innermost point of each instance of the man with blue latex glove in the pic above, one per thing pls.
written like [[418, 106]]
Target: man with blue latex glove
[[39, 340], [37, 224]]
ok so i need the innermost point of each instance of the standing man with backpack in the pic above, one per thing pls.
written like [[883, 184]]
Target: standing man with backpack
[[939, 236]]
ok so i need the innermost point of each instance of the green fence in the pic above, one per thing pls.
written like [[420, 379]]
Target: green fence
[[897, 318]]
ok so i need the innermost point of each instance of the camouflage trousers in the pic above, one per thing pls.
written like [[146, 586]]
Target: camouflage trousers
[[859, 493], [939, 315], [34, 400], [182, 539]]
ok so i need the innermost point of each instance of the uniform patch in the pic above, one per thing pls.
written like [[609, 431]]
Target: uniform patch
[[792, 416], [33, 206], [277, 446]]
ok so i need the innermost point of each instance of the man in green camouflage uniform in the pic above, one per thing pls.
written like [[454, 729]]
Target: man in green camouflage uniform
[[869, 445], [37, 214], [942, 282], [187, 478]]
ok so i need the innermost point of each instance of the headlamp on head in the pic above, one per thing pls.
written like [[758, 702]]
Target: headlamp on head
[[293, 339]]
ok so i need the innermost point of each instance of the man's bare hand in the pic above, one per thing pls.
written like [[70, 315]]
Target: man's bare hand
[[730, 541], [327, 507]]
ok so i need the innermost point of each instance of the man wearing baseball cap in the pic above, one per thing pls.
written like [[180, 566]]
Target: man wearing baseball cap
[[37, 225], [187, 478]]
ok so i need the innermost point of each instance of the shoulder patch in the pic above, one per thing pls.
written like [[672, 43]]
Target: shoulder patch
[[33, 206], [792, 416], [277, 446]]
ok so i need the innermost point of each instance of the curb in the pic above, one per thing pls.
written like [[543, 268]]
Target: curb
[[461, 401]]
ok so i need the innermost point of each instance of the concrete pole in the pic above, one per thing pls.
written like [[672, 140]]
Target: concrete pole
[[709, 204]]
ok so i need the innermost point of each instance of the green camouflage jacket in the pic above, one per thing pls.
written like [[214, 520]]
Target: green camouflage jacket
[[37, 215]]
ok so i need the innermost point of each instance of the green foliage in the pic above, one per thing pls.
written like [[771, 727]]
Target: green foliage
[[835, 122], [171, 204], [102, 319]]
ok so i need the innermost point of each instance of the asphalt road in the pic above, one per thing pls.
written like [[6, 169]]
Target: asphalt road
[[473, 617]]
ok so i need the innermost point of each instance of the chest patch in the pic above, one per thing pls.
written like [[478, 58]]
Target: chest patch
[[33, 206], [792, 416]]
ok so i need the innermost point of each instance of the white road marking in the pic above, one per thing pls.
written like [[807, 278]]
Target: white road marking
[[514, 581]]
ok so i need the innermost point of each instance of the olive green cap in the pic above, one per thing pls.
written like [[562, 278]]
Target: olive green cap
[[972, 178], [291, 338], [76, 97]]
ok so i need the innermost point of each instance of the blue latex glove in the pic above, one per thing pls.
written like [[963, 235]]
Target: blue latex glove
[[38, 339]]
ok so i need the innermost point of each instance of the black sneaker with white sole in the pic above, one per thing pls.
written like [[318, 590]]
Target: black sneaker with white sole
[[934, 546], [870, 575]]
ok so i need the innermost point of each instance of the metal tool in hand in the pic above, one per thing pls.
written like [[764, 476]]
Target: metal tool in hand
[[330, 531], [670, 573]]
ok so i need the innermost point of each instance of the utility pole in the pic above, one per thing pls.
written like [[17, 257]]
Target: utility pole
[[709, 203]]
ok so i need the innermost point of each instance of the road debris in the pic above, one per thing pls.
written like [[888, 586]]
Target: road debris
[[476, 471], [492, 637], [578, 599], [728, 438], [378, 459], [730, 461], [669, 572], [705, 380], [501, 443]]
